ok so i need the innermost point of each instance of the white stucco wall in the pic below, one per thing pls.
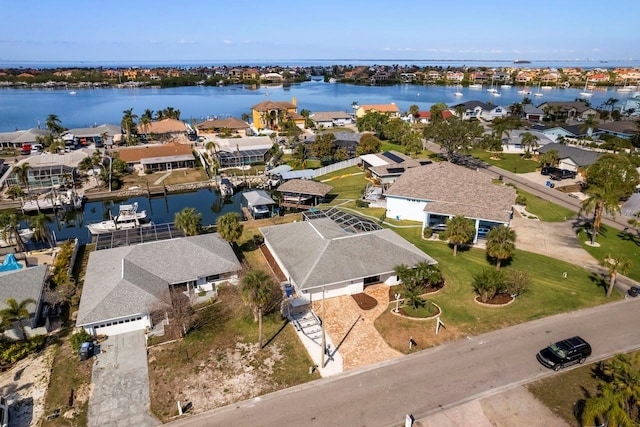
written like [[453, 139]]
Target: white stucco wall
[[408, 209]]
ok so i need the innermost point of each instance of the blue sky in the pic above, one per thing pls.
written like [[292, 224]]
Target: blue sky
[[189, 30]]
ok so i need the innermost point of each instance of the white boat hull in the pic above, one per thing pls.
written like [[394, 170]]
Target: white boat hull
[[26, 234]]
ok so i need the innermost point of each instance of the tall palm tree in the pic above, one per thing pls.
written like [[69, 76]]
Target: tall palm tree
[[257, 291], [189, 221], [599, 201], [15, 312], [22, 173], [587, 126], [212, 147], [40, 230], [15, 192], [229, 227], [529, 141], [53, 124], [501, 244], [614, 265], [301, 155], [459, 231], [10, 229], [128, 124], [611, 102]]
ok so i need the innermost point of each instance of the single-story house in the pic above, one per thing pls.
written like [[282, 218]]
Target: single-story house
[[533, 113], [390, 110], [167, 157], [302, 193], [436, 192], [622, 129], [93, 135], [480, 110], [425, 116], [247, 150], [20, 285], [566, 131], [319, 258], [572, 158], [48, 170], [258, 203], [387, 166], [347, 140], [231, 123], [124, 285], [569, 110], [18, 138], [513, 142], [331, 118], [164, 129]]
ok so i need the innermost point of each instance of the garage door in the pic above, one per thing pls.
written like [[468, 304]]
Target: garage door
[[121, 326], [567, 165]]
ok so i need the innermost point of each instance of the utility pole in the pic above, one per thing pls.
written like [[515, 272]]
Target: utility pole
[[324, 340]]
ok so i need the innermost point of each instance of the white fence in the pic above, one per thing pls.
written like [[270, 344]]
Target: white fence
[[337, 166]]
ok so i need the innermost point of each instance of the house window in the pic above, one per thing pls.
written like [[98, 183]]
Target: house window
[[212, 278]]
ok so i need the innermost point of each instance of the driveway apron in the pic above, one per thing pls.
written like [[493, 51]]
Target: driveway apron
[[120, 380]]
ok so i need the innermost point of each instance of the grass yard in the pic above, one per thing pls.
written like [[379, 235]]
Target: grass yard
[[615, 242], [548, 294], [511, 162], [181, 176], [544, 210], [348, 184]]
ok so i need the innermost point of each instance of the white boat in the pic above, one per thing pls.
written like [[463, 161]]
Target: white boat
[[226, 187], [128, 218], [538, 93], [73, 92], [496, 94], [546, 87], [585, 93], [51, 201], [475, 86], [25, 235], [524, 91], [458, 93], [505, 86]]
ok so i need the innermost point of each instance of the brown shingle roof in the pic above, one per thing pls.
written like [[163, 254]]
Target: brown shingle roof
[[230, 123], [273, 105], [304, 186], [135, 154], [163, 126], [383, 108], [455, 190]]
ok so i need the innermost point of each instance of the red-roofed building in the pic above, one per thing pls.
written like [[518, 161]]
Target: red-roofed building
[[425, 116]]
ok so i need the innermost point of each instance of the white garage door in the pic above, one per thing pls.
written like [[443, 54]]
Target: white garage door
[[122, 326], [567, 165]]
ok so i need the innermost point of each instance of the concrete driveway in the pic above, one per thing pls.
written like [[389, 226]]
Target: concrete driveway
[[120, 382]]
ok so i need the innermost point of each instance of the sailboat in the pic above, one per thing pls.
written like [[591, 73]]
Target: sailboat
[[524, 91], [585, 93], [538, 93], [458, 93], [475, 85], [492, 89], [625, 88]]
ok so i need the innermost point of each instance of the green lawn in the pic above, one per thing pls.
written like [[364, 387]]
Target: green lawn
[[511, 162], [347, 184], [544, 210], [615, 242], [550, 293]]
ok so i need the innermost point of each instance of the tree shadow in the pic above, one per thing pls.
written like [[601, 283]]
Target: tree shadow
[[461, 247], [629, 237], [270, 340], [503, 263], [600, 280]]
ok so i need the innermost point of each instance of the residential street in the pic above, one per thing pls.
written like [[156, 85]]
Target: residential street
[[438, 378]]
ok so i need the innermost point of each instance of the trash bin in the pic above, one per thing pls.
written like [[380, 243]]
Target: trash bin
[[86, 350], [288, 290]]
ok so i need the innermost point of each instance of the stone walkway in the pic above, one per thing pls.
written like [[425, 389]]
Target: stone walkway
[[352, 329]]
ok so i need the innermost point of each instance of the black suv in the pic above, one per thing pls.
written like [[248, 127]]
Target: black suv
[[564, 353], [548, 170], [562, 174]]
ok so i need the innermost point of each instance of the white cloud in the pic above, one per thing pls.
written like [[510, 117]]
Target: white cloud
[[406, 49], [184, 41], [386, 49], [226, 41]]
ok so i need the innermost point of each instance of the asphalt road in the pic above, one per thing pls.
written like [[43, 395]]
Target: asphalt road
[[434, 379]]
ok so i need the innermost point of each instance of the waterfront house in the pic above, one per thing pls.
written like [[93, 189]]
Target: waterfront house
[[235, 126], [272, 114], [533, 113], [480, 110], [331, 118], [568, 110], [321, 258], [21, 284], [163, 130], [384, 168], [390, 110], [124, 285], [48, 171], [165, 157], [18, 138], [93, 135], [436, 192], [235, 152], [572, 158]]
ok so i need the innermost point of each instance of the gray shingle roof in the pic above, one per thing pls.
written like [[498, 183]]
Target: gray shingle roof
[[258, 197], [324, 116], [129, 280], [110, 130], [455, 190], [578, 155], [22, 284], [304, 186], [319, 252]]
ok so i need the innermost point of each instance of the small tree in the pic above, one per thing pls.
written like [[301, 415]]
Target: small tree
[[15, 312], [488, 283], [615, 265], [257, 291], [189, 221], [501, 244], [459, 231], [229, 227]]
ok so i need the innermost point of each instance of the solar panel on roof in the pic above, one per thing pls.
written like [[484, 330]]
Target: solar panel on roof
[[394, 158], [395, 170]]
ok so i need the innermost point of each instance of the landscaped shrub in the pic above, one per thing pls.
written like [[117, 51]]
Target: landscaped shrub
[[488, 283], [521, 200], [61, 264], [516, 282], [427, 232], [148, 171], [78, 338], [20, 349], [443, 236], [361, 203]]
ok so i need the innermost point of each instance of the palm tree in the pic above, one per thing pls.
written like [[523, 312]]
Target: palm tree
[[257, 291], [15, 312], [589, 123], [229, 227], [10, 229], [15, 192], [411, 285], [599, 201], [22, 172], [611, 102], [189, 221], [40, 230], [529, 141], [301, 155], [501, 244], [128, 124], [614, 265], [53, 124], [459, 231]]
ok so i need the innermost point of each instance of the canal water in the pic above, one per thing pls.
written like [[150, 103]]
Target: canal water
[[67, 225]]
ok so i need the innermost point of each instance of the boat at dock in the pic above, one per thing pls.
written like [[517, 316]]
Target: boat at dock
[[54, 201], [9, 240], [226, 187], [128, 218]]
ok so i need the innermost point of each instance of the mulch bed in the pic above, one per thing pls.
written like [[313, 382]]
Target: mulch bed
[[499, 299], [364, 301]]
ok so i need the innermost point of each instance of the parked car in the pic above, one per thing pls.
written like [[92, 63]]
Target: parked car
[[25, 149], [483, 231], [439, 228], [86, 350], [547, 170], [564, 353], [562, 174], [634, 291]]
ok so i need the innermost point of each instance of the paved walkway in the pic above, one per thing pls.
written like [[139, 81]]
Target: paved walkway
[[120, 382]]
